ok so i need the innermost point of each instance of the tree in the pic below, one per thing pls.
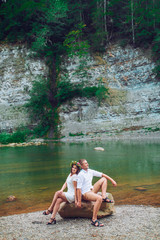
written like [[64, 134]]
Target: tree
[[43, 25]]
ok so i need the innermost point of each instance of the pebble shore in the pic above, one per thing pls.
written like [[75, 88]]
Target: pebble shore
[[129, 222], [122, 136]]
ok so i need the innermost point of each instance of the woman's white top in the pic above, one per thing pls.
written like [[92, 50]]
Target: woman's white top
[[70, 194]]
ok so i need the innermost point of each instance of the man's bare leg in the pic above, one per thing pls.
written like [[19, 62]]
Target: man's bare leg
[[91, 196], [101, 184]]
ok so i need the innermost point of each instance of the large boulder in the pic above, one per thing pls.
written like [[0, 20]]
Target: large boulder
[[69, 210]]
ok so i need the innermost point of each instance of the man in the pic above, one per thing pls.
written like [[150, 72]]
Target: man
[[89, 192]]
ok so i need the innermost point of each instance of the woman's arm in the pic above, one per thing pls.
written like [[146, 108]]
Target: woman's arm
[[75, 191], [110, 179], [64, 186]]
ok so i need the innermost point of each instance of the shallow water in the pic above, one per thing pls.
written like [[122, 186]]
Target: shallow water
[[33, 174]]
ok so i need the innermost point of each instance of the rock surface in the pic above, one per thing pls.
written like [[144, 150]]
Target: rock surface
[[18, 70], [133, 103], [134, 100], [99, 148], [25, 144], [11, 198], [68, 210]]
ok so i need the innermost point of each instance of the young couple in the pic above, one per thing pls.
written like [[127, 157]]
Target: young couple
[[79, 184]]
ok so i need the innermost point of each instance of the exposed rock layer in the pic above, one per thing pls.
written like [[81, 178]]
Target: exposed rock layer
[[134, 100], [18, 70], [133, 103]]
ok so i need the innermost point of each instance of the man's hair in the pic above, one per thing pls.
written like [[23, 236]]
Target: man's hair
[[81, 161]]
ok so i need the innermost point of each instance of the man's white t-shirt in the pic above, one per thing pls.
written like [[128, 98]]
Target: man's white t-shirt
[[85, 179]]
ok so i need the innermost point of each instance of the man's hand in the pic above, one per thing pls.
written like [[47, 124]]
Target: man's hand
[[79, 204], [114, 183]]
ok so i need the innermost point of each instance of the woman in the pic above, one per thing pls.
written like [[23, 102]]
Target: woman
[[60, 196]]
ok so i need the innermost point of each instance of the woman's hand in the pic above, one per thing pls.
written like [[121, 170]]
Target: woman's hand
[[60, 191]]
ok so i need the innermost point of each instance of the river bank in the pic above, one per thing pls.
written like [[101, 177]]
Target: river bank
[[111, 136], [115, 136], [129, 223]]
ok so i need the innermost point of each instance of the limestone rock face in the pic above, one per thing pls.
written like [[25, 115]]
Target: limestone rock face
[[133, 103], [18, 71], [68, 210]]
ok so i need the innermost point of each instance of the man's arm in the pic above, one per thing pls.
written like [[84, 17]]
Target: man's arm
[[79, 197], [110, 179]]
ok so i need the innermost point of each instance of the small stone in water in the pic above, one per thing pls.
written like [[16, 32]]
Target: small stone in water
[[99, 148], [11, 198], [140, 189]]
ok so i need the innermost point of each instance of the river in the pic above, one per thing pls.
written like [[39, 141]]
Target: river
[[34, 173]]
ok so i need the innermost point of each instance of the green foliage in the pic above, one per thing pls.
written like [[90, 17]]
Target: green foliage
[[38, 103], [48, 27], [68, 91], [76, 134], [17, 137], [101, 93], [47, 23], [156, 52], [81, 71], [123, 42], [89, 92], [156, 129], [47, 33], [98, 41], [74, 44], [157, 69], [17, 17], [40, 130], [39, 107]]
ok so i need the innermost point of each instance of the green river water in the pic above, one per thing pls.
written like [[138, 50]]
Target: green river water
[[33, 174]]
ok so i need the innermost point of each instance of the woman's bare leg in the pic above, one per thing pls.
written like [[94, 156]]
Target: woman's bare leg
[[56, 196], [61, 199]]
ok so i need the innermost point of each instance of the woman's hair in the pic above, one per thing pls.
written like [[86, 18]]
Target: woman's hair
[[77, 165]]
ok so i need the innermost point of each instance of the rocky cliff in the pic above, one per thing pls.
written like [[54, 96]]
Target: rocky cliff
[[134, 100], [133, 103], [18, 70]]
